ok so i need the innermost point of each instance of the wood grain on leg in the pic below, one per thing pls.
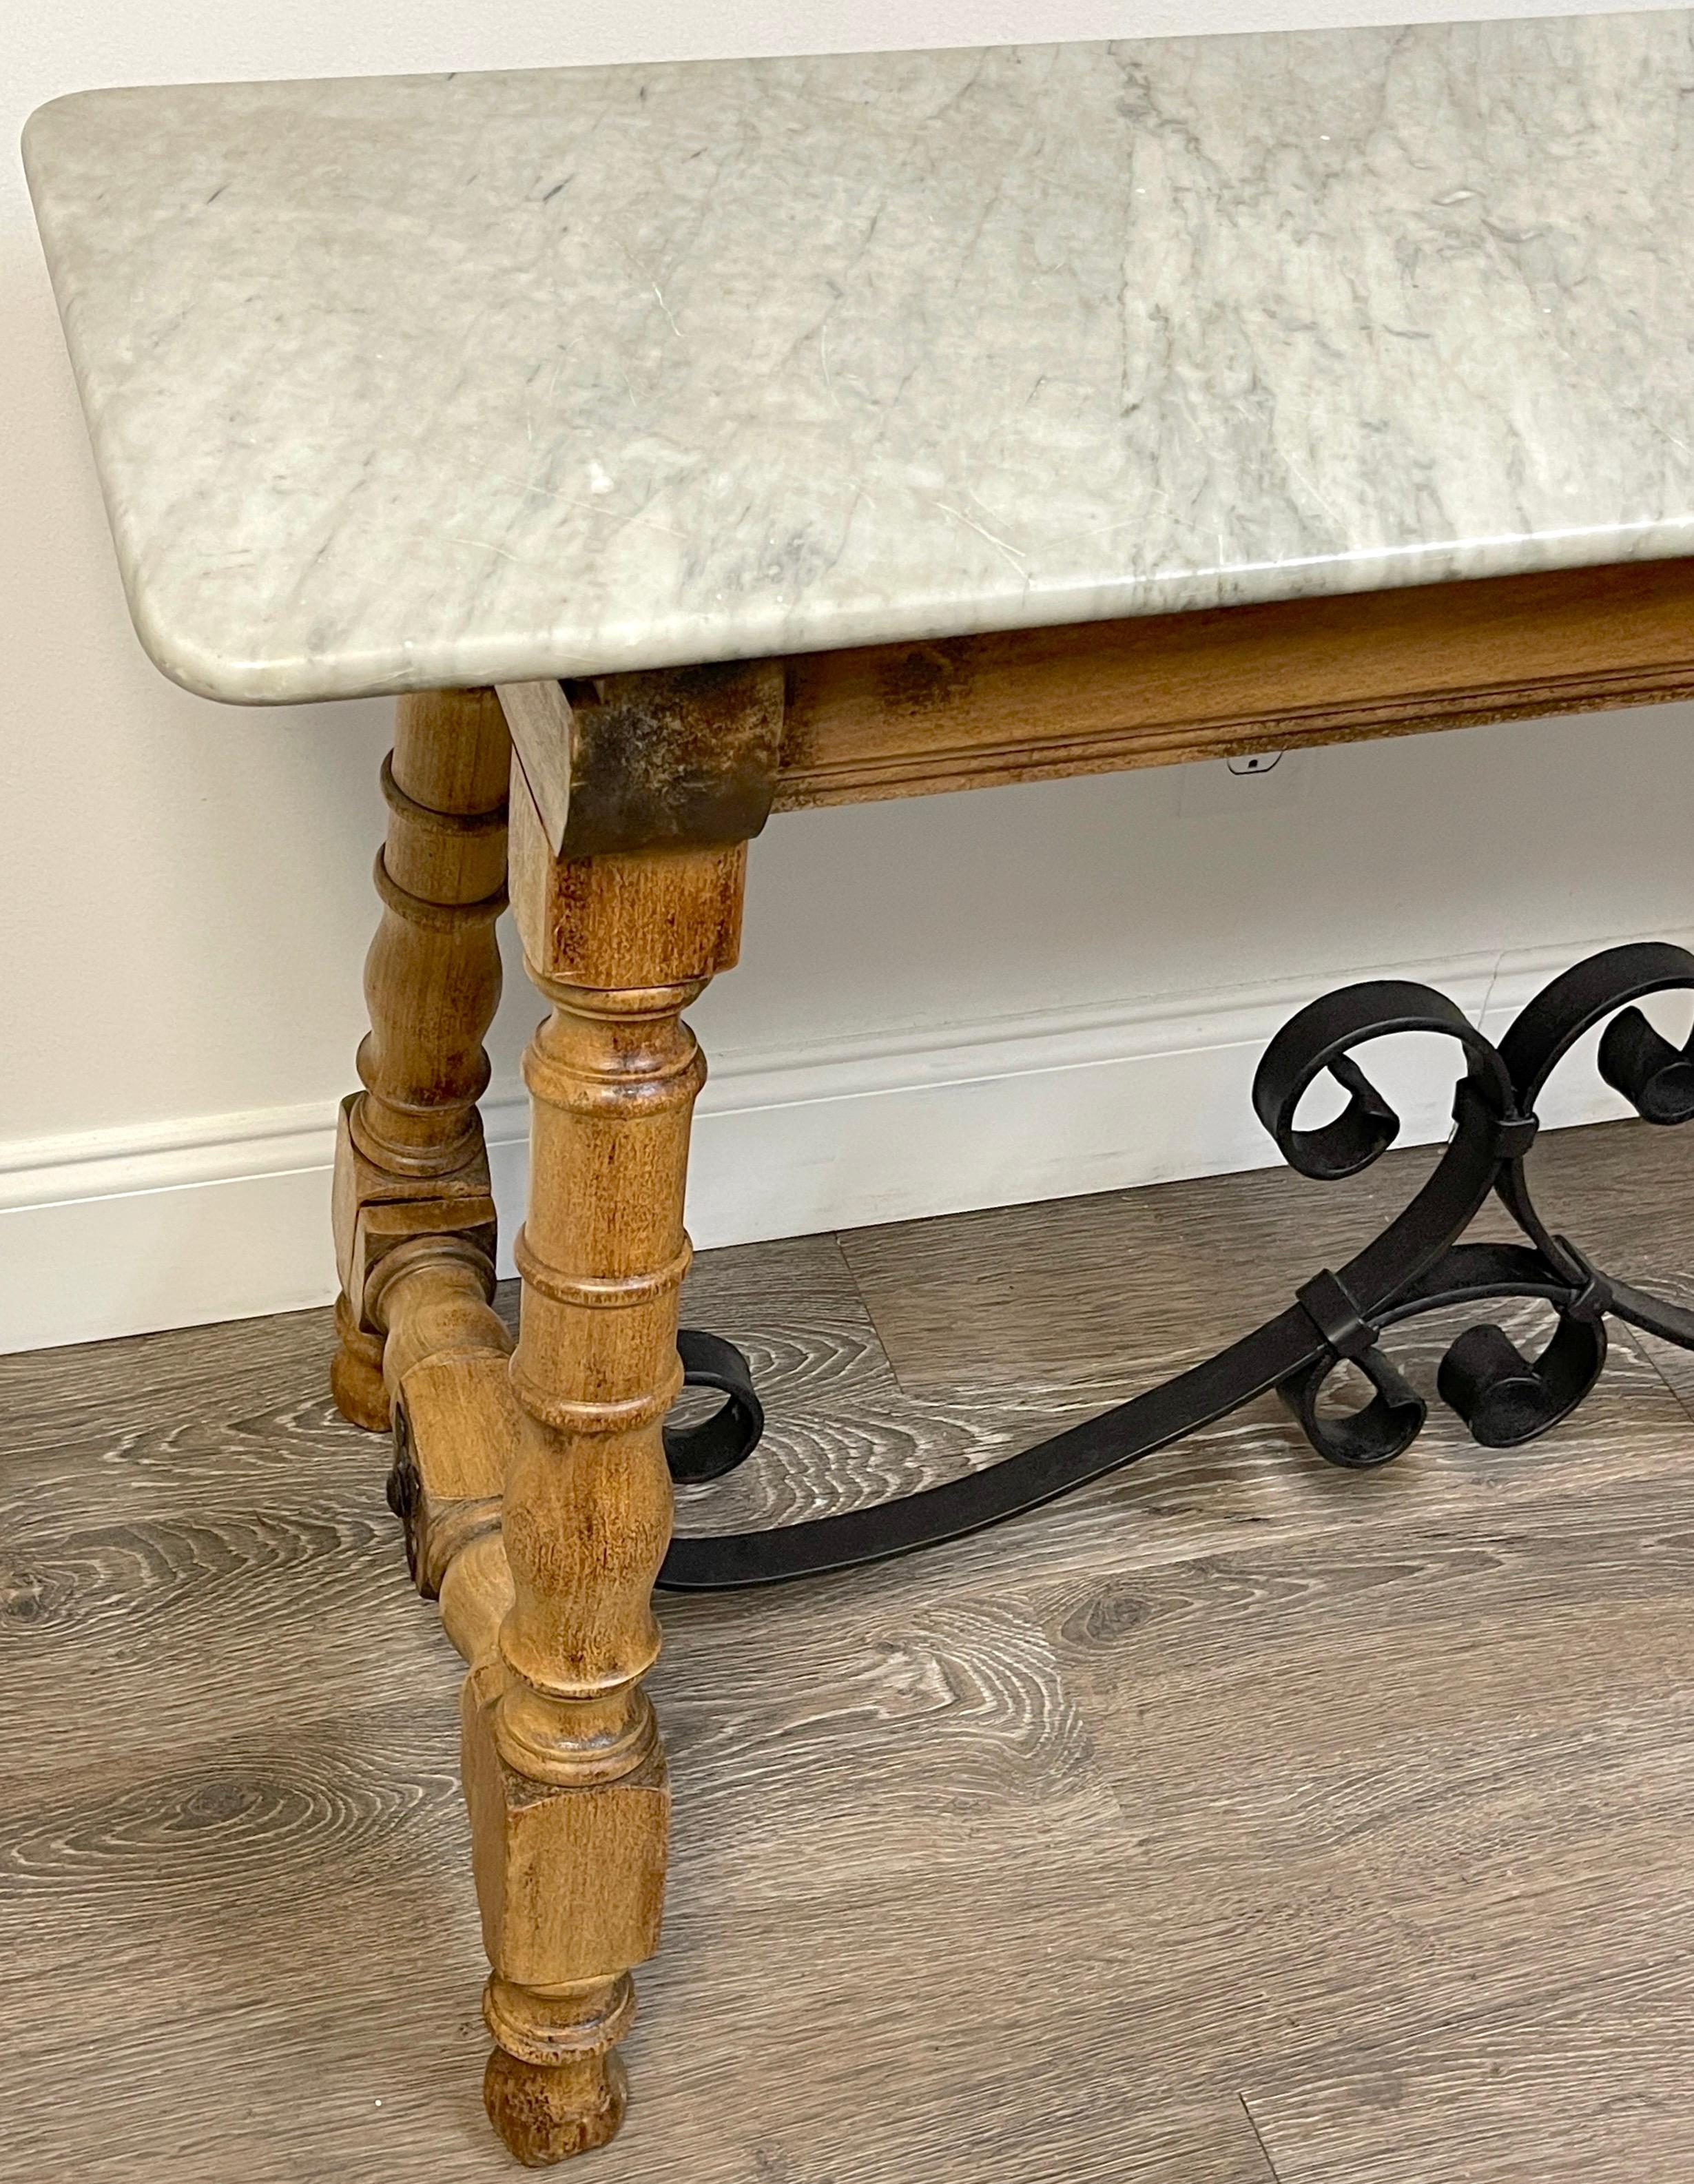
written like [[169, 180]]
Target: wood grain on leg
[[409, 1161], [446, 1365], [563, 1768]]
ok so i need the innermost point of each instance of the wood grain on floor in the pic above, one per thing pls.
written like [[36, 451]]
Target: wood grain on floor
[[1233, 1821]]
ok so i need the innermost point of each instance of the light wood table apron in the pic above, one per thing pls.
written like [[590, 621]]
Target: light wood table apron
[[743, 437]]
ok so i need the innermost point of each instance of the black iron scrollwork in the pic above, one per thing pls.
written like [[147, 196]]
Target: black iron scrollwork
[[1416, 1265], [716, 1444]]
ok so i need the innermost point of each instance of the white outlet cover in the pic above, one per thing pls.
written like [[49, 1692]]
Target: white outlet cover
[[1211, 791]]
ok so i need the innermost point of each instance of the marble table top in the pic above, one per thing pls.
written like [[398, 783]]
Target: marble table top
[[421, 380]]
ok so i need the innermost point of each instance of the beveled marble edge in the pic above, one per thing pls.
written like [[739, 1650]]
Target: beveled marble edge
[[694, 641], [1243, 369]]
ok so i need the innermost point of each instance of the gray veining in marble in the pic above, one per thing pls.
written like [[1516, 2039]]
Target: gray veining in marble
[[420, 381]]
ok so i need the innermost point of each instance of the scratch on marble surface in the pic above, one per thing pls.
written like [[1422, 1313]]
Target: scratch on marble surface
[[1010, 552], [824, 359], [589, 507], [487, 546]]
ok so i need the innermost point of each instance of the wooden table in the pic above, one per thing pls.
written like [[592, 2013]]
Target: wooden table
[[738, 437]]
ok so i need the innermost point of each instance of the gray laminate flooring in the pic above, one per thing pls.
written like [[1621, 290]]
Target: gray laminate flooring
[[1235, 1819]]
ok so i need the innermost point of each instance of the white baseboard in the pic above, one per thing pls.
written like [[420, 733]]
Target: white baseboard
[[120, 1232]]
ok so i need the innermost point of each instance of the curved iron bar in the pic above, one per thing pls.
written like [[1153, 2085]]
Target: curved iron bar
[[1416, 1265], [714, 1445]]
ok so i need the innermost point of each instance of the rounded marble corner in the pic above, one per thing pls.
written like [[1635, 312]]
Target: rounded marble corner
[[226, 678], [40, 119], [49, 121]]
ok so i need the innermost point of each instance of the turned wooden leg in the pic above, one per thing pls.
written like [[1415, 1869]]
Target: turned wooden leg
[[409, 1161], [563, 1768]]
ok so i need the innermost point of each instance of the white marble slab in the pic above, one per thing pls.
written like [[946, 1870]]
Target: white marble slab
[[421, 380]]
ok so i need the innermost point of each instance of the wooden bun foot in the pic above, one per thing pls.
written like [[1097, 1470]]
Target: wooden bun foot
[[547, 2112]]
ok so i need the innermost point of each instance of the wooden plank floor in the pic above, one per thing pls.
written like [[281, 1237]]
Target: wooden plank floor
[[1236, 1820]]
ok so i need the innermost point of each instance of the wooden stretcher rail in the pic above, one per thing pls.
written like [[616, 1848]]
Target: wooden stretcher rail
[[907, 719]]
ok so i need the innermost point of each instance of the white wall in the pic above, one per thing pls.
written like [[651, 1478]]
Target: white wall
[[950, 1001]]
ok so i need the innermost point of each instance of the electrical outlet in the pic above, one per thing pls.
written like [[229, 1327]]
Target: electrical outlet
[[1240, 788]]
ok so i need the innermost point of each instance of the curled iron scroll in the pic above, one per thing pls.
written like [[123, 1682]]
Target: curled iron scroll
[[1417, 1264]]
